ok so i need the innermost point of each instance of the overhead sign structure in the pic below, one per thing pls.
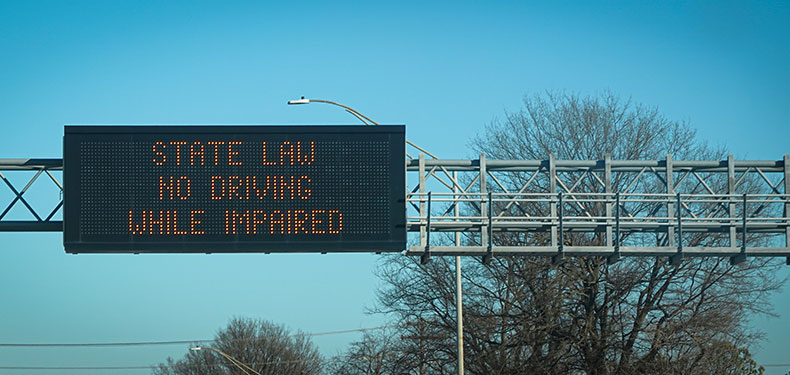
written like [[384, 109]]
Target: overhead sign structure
[[196, 189]]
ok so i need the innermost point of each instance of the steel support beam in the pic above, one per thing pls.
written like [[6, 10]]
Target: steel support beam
[[41, 169], [602, 251], [669, 180], [616, 224], [786, 178], [674, 212], [31, 226], [731, 190], [608, 189], [485, 209]]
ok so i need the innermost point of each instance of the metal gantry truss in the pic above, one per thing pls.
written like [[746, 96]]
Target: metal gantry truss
[[38, 221], [612, 208], [608, 208]]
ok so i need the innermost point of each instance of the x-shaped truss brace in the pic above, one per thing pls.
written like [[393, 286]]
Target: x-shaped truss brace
[[20, 198]]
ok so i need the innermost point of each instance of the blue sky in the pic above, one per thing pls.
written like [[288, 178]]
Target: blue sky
[[444, 69]]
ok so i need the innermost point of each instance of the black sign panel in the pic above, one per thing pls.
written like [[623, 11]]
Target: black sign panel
[[183, 189]]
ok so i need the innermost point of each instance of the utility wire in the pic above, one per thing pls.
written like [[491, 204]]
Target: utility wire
[[76, 368], [141, 343], [180, 342], [149, 367]]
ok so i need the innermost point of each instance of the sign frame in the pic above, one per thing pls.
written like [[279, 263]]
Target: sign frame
[[75, 242]]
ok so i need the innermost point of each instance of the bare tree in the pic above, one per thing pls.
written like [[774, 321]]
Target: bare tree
[[375, 354], [267, 348], [640, 315], [402, 351], [721, 357]]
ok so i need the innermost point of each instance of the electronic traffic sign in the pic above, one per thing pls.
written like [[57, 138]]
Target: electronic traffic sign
[[214, 189]]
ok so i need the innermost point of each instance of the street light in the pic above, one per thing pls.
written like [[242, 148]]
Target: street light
[[458, 289], [348, 109], [244, 368], [299, 101], [357, 114]]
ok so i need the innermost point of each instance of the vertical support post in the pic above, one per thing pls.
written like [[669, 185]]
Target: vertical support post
[[552, 191], [426, 256], [670, 180], [459, 315], [731, 192], [745, 216], [483, 204], [560, 246], [786, 160], [459, 305], [457, 208], [607, 180], [490, 248], [614, 258], [490, 222], [675, 259], [742, 255], [421, 167]]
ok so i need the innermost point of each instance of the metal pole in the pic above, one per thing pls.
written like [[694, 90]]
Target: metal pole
[[745, 216], [670, 182], [552, 191], [459, 305], [460, 315], [426, 257], [490, 226], [731, 191], [678, 257], [484, 208], [786, 168], [614, 258], [617, 224], [608, 188], [422, 191], [560, 246], [742, 256]]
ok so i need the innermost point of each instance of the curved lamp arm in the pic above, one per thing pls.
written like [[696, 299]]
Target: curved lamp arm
[[357, 114], [347, 108]]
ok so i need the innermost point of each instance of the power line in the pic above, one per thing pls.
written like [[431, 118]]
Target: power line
[[141, 343], [149, 367], [347, 331], [76, 368], [180, 342]]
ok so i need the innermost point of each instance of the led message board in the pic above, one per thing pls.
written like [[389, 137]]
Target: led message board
[[186, 189]]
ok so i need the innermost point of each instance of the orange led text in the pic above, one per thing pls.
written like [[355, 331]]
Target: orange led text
[[165, 222], [260, 187], [252, 222]]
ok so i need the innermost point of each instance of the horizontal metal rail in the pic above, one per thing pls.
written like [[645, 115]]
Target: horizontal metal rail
[[599, 165], [580, 223], [30, 164], [603, 251]]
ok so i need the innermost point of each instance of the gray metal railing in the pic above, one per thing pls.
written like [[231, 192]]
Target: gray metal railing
[[691, 208]]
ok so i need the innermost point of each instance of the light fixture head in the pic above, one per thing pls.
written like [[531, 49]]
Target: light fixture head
[[299, 101], [195, 349]]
